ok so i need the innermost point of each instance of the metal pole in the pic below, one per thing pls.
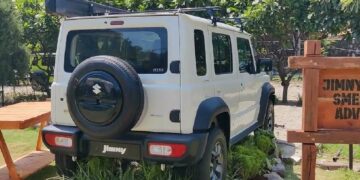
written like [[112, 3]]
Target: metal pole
[[2, 95], [351, 156]]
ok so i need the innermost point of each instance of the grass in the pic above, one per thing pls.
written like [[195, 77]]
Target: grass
[[327, 151], [46, 173], [20, 142]]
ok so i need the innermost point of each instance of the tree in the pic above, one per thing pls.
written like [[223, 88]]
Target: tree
[[352, 12], [279, 27], [13, 55], [40, 33]]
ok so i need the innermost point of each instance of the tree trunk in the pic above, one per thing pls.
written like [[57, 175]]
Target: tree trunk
[[285, 92], [2, 95]]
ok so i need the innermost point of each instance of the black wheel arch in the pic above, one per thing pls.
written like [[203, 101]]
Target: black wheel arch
[[213, 111], [267, 94]]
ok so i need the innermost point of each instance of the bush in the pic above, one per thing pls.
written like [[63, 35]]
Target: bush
[[106, 168], [264, 142], [250, 158], [246, 162]]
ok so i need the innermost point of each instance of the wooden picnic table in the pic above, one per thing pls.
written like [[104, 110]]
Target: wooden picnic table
[[21, 116]]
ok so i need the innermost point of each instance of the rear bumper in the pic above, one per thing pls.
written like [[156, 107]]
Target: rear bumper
[[135, 143]]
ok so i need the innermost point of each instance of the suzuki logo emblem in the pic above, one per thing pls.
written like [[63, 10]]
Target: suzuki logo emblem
[[96, 89]]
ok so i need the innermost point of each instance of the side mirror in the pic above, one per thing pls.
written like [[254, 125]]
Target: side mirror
[[263, 65]]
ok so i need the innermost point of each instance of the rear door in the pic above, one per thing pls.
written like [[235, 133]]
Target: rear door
[[139, 40]]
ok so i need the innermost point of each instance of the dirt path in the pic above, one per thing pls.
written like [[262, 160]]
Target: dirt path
[[288, 116]]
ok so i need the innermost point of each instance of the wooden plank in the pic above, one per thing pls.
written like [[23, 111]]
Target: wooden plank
[[20, 124], [310, 94], [298, 62], [308, 162], [339, 99], [324, 136], [23, 115], [29, 164], [312, 48], [338, 80], [337, 117]]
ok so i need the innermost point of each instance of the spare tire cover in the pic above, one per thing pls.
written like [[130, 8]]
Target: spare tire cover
[[105, 96]]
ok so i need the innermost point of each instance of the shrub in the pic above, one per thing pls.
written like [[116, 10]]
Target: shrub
[[250, 157], [106, 168], [264, 141], [246, 162]]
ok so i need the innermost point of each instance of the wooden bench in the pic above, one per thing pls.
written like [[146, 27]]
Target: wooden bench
[[21, 116]]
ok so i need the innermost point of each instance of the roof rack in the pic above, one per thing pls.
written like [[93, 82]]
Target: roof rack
[[73, 8]]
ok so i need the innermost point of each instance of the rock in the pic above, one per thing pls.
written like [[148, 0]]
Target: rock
[[296, 159], [286, 149], [277, 160], [273, 176], [277, 152], [279, 168]]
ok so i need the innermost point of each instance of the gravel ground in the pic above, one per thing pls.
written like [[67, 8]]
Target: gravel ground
[[18, 90], [288, 116]]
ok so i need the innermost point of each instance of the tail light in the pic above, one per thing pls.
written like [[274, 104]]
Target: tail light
[[59, 140], [166, 149]]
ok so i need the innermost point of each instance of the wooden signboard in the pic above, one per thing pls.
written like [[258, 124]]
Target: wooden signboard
[[331, 103]]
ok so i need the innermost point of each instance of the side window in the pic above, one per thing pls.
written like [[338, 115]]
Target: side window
[[222, 53], [200, 54], [245, 55]]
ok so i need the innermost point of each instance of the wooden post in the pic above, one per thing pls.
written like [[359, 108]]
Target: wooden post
[[308, 161], [309, 114], [351, 158], [310, 103]]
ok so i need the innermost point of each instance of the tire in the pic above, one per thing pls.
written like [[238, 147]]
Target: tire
[[269, 121], [204, 169], [105, 96], [65, 165]]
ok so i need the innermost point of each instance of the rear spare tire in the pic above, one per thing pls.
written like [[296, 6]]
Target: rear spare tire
[[105, 96]]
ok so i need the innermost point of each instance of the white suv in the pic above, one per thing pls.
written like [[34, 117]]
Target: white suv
[[167, 87]]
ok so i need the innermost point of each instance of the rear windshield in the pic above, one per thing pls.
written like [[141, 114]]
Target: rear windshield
[[143, 48]]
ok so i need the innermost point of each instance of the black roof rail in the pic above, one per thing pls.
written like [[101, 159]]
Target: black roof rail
[[210, 10], [72, 8], [236, 20]]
